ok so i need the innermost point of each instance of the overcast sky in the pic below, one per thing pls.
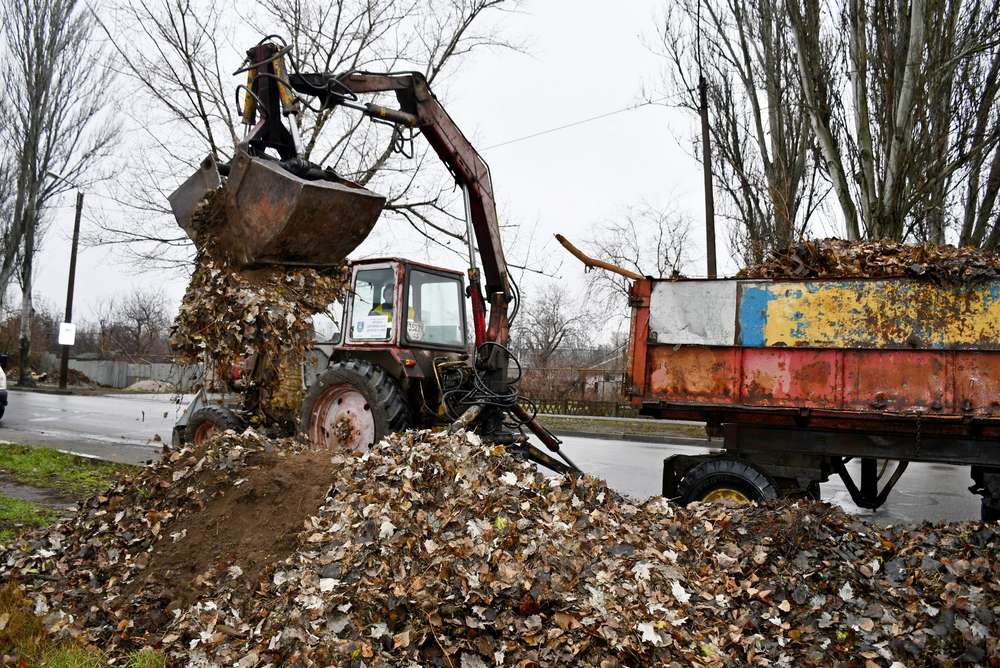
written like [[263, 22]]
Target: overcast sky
[[584, 61]]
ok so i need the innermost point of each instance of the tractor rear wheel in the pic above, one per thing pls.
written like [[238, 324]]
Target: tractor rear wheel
[[353, 405], [725, 480], [211, 420]]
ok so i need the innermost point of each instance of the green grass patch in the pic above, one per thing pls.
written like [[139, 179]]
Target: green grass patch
[[17, 516], [44, 467], [73, 657], [146, 658], [23, 639]]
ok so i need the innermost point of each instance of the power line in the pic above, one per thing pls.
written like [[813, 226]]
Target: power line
[[631, 107]]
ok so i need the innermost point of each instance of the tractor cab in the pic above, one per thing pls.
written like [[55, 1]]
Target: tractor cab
[[386, 357], [402, 304]]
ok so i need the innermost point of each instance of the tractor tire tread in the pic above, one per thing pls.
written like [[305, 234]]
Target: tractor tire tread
[[222, 417], [381, 387], [989, 512]]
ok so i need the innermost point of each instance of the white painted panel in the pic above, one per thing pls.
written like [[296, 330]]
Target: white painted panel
[[694, 312]]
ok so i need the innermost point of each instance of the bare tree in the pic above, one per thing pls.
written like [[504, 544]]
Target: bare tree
[[141, 321], [54, 90], [763, 146], [651, 241], [179, 61], [547, 323], [906, 120]]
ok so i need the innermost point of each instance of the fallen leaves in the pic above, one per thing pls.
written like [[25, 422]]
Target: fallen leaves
[[836, 258], [456, 567], [229, 315]]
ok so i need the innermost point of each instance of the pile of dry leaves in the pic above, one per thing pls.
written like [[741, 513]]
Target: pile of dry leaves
[[437, 550], [836, 258], [231, 313]]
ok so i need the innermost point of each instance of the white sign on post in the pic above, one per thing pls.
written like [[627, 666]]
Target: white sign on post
[[67, 334]]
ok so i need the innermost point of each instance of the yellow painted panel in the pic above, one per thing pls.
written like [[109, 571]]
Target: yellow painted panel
[[881, 314]]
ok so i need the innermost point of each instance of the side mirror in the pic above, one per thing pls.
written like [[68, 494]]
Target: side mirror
[[3, 361]]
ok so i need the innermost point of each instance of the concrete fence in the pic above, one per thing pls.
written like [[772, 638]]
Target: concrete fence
[[120, 374]]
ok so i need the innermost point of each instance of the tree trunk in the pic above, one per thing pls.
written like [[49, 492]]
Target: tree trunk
[[808, 57], [888, 221], [24, 378]]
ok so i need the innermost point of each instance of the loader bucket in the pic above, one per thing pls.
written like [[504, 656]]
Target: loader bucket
[[275, 217], [191, 194]]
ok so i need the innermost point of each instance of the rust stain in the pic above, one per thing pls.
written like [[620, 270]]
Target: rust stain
[[893, 313], [880, 381]]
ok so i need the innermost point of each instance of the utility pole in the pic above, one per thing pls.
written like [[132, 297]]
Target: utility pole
[[64, 362], [706, 163]]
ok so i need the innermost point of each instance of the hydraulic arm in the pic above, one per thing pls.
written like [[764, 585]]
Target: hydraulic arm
[[419, 109]]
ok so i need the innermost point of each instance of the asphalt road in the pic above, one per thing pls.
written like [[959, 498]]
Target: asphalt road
[[126, 428], [131, 429]]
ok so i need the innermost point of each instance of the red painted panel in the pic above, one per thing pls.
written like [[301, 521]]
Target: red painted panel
[[977, 383], [791, 377], [929, 382], [898, 381], [694, 374]]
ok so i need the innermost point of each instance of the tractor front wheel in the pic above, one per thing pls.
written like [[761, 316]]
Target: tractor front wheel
[[353, 405], [211, 420], [990, 512]]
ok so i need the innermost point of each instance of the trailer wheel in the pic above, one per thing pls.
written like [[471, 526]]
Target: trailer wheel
[[211, 420], [353, 405], [725, 479]]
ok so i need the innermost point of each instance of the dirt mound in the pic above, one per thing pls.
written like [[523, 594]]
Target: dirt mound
[[836, 258], [241, 526], [438, 550], [173, 533], [150, 385]]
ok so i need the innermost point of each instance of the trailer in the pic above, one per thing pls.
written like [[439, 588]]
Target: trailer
[[798, 377]]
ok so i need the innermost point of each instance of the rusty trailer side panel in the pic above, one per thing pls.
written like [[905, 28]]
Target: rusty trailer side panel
[[868, 347], [903, 381], [865, 314]]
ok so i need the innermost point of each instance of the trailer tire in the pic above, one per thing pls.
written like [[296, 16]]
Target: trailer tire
[[725, 479], [353, 404], [989, 513], [211, 420]]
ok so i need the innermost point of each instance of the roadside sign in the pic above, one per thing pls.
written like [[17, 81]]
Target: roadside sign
[[67, 333]]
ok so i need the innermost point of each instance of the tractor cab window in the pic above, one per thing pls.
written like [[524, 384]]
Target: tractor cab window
[[372, 308], [435, 310]]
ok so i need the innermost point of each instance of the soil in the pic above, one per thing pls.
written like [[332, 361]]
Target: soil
[[152, 386], [250, 522]]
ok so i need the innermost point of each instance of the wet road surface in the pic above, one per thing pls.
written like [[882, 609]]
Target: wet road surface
[[128, 428], [125, 428], [935, 492]]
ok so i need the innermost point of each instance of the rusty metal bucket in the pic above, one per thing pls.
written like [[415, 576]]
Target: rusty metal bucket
[[274, 216], [193, 194]]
